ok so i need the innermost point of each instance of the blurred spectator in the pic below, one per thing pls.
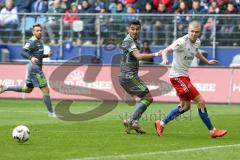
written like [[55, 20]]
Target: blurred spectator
[[23, 6], [112, 6], [147, 23], [88, 33], [182, 21], [204, 4], [237, 34], [88, 21], [140, 5], [69, 2], [196, 9], [39, 6], [209, 26], [62, 4], [149, 8], [167, 3], [8, 19], [176, 4], [215, 7], [146, 50], [2, 4], [53, 22], [129, 1], [128, 18], [100, 5], [119, 8], [222, 4], [104, 29], [69, 17], [162, 27], [237, 2], [116, 26], [229, 24]]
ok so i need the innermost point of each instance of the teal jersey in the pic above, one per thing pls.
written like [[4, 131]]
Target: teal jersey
[[129, 64], [34, 48]]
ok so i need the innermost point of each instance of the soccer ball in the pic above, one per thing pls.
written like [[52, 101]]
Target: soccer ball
[[21, 133]]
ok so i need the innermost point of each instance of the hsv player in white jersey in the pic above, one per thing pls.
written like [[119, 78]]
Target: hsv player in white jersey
[[184, 49]]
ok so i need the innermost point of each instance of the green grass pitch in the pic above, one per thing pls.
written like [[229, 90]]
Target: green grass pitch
[[103, 138]]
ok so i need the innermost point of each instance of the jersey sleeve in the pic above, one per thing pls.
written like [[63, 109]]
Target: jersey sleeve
[[129, 46], [132, 47], [45, 56], [198, 45], [27, 48], [178, 44]]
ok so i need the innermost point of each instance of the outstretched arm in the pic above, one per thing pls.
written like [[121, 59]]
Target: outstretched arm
[[145, 56], [164, 53], [47, 55], [205, 60]]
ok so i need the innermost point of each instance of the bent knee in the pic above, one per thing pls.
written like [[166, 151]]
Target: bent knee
[[186, 108], [201, 103], [147, 100], [28, 90], [45, 90], [150, 99]]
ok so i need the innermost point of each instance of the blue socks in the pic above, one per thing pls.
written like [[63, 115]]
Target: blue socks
[[47, 101], [175, 112], [206, 120], [140, 109]]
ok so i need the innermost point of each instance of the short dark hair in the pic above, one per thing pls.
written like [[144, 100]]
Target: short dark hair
[[134, 22], [146, 41], [36, 25], [196, 1]]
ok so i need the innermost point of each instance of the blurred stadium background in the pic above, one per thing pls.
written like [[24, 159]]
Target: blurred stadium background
[[95, 28]]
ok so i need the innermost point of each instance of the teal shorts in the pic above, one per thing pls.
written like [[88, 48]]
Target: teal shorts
[[35, 76], [133, 85]]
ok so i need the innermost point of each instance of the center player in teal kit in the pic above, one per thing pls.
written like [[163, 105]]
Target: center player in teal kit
[[129, 80], [33, 50]]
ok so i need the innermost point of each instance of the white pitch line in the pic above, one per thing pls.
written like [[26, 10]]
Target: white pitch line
[[22, 111], [124, 156]]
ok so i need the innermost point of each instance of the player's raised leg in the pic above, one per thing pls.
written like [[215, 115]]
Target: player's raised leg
[[202, 110], [24, 89], [2, 89], [175, 112]]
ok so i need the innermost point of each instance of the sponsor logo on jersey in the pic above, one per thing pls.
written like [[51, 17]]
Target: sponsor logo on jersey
[[188, 57]]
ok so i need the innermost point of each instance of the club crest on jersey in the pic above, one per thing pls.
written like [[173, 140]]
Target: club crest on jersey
[[26, 45], [133, 46], [177, 46]]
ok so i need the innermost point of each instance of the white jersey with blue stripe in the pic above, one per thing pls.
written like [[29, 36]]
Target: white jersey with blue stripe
[[183, 53]]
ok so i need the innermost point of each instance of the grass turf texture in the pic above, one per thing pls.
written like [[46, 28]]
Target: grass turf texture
[[103, 138]]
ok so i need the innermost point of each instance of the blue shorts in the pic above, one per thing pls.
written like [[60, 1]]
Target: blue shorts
[[35, 76]]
